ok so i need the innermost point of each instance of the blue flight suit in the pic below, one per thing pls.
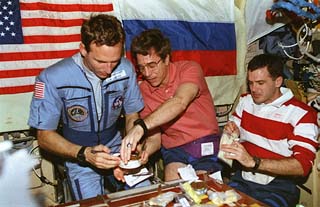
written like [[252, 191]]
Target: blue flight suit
[[65, 95]]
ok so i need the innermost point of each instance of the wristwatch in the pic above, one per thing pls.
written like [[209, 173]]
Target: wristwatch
[[257, 162], [81, 157], [142, 124]]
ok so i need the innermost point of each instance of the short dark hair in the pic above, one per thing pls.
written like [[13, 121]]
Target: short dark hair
[[102, 29], [273, 63], [148, 40]]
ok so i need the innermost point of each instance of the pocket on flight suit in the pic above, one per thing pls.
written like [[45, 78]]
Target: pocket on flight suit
[[78, 113]]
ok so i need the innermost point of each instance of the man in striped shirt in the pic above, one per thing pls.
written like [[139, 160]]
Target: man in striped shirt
[[278, 136]]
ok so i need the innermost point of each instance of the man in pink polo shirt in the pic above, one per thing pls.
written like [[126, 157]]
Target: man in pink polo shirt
[[179, 109]]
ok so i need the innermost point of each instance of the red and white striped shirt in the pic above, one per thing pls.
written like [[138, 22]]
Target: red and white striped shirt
[[286, 127]]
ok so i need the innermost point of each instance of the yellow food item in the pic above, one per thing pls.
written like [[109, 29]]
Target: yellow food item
[[255, 205], [190, 192]]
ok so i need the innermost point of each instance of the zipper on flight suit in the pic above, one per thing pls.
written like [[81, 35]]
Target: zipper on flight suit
[[103, 100], [101, 105], [95, 106]]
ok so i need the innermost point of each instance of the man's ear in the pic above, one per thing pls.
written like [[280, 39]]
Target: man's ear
[[83, 50], [279, 81], [167, 60]]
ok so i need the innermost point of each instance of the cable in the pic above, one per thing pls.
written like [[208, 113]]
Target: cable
[[284, 47], [302, 42], [287, 46], [306, 48], [291, 57], [42, 178]]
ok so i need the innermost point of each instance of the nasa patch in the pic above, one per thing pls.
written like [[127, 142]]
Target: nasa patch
[[117, 103], [77, 113]]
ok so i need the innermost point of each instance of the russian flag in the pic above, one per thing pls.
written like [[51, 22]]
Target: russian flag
[[202, 31]]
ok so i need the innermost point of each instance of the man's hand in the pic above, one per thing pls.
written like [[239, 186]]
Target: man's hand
[[100, 157], [236, 151], [119, 174], [231, 128], [129, 142], [144, 157], [143, 153]]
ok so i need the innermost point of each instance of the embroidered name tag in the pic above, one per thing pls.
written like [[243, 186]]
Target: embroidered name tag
[[117, 75]]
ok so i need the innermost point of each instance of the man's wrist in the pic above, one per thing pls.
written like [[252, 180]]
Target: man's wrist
[[257, 162], [141, 123], [81, 157]]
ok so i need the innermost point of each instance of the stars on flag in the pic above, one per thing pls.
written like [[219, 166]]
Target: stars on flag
[[10, 22]]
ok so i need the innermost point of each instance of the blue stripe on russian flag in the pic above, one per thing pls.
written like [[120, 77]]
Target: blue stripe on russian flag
[[187, 35], [211, 44]]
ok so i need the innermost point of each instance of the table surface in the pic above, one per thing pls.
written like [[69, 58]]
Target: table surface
[[138, 197]]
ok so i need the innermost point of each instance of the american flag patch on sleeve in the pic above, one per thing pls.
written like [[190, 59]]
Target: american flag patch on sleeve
[[39, 90]]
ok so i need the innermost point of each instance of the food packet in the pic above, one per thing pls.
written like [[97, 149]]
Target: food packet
[[163, 199], [231, 196], [227, 139], [220, 198]]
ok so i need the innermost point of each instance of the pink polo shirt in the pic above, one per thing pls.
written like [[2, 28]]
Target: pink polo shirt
[[198, 120]]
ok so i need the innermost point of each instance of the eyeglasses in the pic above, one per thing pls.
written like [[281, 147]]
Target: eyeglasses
[[152, 66]]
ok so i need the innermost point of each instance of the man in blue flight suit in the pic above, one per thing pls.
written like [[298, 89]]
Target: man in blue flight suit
[[87, 93]]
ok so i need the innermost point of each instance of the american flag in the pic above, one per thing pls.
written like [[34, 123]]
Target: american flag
[[39, 90], [50, 32], [37, 33]]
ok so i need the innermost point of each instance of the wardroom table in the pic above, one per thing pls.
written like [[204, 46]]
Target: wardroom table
[[139, 197]]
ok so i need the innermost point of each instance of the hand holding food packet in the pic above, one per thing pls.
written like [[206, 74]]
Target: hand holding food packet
[[227, 139]]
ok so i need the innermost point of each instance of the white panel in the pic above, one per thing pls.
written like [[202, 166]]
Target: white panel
[[255, 19], [14, 112]]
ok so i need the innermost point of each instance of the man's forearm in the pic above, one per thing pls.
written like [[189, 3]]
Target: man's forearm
[[172, 107], [165, 113], [55, 143], [285, 166]]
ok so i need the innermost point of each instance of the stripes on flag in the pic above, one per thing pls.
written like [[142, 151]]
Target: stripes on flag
[[39, 90], [51, 32], [199, 30]]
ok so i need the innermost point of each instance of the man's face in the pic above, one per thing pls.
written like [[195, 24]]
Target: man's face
[[263, 88], [101, 60], [153, 69]]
